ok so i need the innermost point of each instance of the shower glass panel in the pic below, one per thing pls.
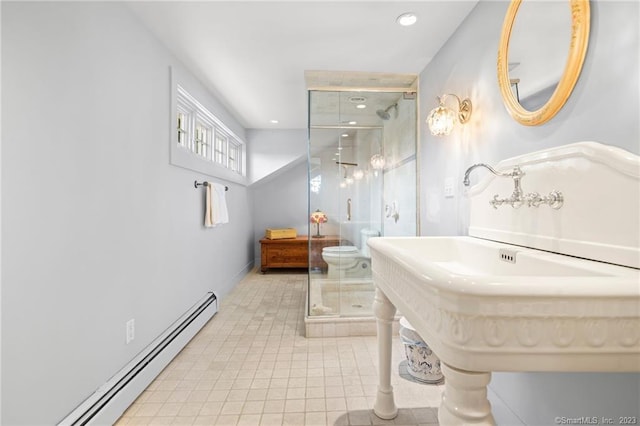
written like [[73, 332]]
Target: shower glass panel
[[362, 184]]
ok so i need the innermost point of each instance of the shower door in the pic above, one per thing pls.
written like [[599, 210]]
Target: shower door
[[362, 184]]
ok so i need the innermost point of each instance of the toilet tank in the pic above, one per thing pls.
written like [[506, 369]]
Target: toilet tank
[[365, 234]]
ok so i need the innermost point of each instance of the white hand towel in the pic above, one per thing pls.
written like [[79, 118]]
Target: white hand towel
[[220, 212], [208, 208]]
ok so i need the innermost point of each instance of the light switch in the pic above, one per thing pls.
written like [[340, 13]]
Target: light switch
[[449, 187]]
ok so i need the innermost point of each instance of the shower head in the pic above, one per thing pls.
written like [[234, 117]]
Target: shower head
[[384, 114]]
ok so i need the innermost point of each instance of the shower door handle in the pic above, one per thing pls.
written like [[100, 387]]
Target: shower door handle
[[349, 209]]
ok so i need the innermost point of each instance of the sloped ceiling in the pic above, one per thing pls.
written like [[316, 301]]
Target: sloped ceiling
[[252, 55]]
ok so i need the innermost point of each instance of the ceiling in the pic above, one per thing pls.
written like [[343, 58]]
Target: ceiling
[[252, 55]]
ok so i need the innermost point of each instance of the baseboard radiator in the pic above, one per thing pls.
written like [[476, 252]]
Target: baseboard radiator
[[108, 403]]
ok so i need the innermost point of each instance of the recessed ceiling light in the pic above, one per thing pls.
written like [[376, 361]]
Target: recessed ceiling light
[[407, 19], [353, 123], [357, 99], [274, 121], [345, 135], [361, 106]]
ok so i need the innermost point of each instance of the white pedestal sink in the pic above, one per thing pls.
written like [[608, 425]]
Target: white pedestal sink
[[486, 306]]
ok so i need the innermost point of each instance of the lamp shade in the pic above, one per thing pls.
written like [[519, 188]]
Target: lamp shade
[[441, 121], [318, 217]]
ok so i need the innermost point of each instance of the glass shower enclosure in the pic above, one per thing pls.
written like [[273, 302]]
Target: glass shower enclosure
[[362, 184]]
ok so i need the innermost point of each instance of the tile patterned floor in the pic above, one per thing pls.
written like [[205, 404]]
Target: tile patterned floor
[[252, 365]]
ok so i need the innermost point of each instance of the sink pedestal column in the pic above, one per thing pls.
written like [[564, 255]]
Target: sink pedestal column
[[464, 401], [384, 310]]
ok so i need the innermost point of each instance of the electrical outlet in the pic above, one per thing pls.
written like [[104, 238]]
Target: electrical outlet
[[449, 187], [131, 330]]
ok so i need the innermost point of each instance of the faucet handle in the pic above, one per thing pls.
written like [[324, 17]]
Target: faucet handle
[[556, 199], [496, 201]]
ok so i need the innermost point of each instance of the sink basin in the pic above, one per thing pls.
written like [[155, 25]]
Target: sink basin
[[478, 266], [486, 306]]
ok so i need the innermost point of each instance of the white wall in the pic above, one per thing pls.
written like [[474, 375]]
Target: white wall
[[603, 107], [273, 150], [280, 202], [97, 227], [278, 176]]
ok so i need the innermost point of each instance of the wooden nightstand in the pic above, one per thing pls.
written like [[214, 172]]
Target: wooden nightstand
[[294, 252]]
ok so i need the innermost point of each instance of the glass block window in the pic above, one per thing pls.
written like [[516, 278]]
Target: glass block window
[[315, 183]]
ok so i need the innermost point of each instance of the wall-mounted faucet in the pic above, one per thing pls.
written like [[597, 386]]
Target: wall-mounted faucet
[[555, 199], [466, 181], [516, 200], [349, 209]]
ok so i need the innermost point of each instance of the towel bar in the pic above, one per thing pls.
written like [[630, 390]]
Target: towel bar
[[196, 184]]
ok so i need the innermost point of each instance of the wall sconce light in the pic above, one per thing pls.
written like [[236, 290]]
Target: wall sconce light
[[442, 119], [377, 161]]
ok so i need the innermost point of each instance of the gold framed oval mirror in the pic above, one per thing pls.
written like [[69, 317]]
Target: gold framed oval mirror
[[577, 29]]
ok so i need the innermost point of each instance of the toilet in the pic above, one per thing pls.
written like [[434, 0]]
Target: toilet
[[349, 261]]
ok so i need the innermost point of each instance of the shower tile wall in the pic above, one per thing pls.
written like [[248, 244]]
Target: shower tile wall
[[400, 153]]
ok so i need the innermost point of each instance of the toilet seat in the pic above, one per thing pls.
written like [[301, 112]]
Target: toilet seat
[[340, 250]]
